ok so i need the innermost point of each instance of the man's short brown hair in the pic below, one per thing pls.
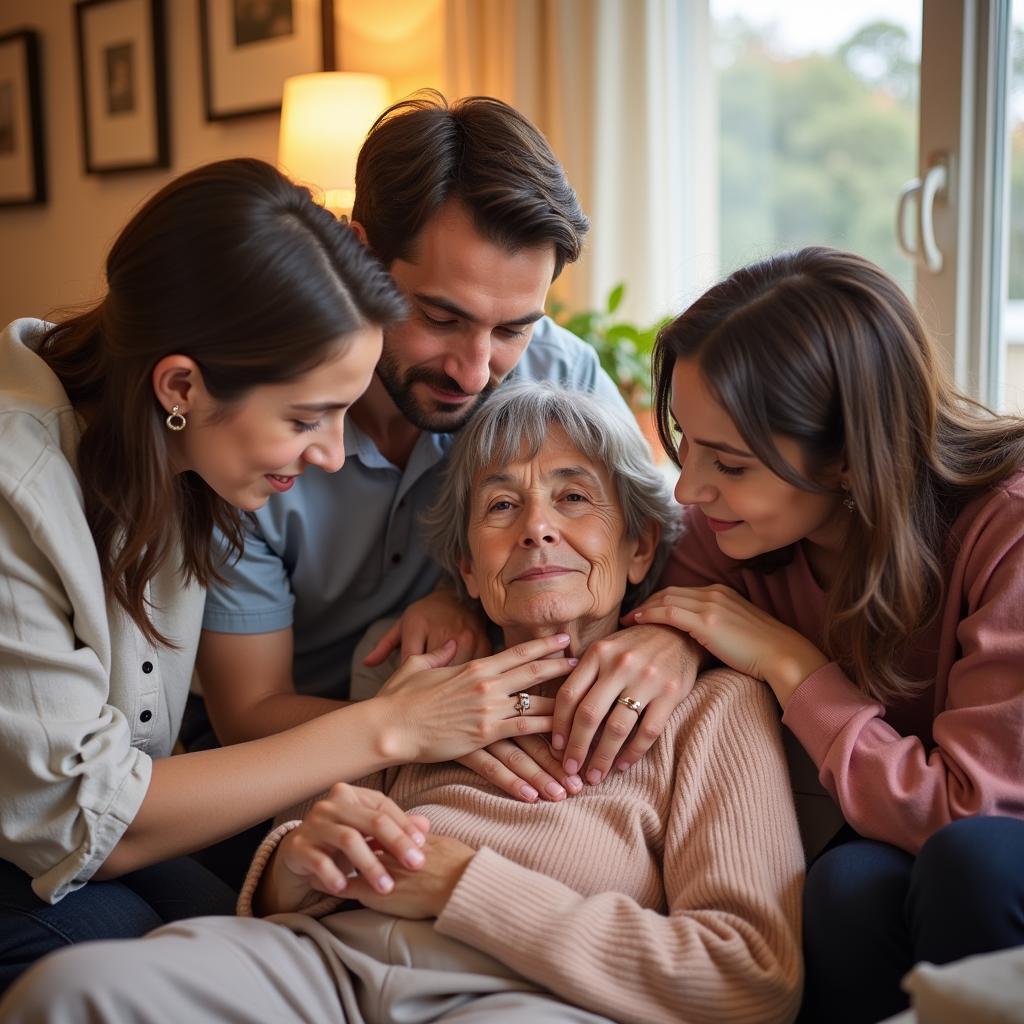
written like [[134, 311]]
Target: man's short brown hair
[[423, 152]]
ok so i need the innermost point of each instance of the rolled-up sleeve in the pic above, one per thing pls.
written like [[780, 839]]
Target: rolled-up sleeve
[[70, 779]]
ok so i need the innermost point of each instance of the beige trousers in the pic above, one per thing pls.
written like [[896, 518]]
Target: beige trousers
[[358, 967]]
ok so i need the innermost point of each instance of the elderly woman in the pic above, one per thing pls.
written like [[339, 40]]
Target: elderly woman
[[669, 892]]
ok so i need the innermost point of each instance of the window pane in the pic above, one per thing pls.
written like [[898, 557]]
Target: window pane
[[817, 125]]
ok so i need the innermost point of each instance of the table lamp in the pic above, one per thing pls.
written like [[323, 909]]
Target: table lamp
[[324, 118]]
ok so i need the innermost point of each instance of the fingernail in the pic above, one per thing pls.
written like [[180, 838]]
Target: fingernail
[[528, 793], [571, 766], [418, 837], [414, 858], [562, 638], [593, 776], [573, 661], [637, 616], [555, 791], [574, 783], [558, 741], [385, 883], [623, 766]]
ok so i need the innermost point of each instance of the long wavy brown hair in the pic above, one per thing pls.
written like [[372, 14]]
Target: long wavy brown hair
[[822, 347], [237, 268]]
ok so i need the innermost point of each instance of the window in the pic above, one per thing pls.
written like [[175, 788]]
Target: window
[[817, 115], [827, 113]]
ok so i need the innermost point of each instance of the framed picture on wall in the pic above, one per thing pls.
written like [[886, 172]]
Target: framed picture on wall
[[122, 74], [250, 47], [22, 164]]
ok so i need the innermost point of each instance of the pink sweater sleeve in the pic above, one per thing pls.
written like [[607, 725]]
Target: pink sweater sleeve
[[726, 947], [894, 788]]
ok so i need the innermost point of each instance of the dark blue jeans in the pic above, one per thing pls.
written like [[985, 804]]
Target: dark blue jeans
[[123, 908], [872, 911]]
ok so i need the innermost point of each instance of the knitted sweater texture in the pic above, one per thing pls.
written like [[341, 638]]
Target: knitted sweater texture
[[668, 893]]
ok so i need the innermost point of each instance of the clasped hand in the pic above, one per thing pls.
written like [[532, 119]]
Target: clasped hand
[[358, 843]]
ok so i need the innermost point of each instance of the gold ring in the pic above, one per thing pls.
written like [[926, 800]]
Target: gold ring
[[523, 704], [633, 705]]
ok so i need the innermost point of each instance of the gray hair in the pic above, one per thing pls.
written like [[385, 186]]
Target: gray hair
[[514, 424]]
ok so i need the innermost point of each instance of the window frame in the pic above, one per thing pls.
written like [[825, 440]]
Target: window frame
[[965, 48]]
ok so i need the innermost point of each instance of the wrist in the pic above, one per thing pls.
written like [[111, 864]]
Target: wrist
[[455, 876], [278, 891], [792, 667], [396, 740]]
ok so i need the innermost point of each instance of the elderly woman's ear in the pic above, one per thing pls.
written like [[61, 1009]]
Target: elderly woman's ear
[[468, 579], [643, 555]]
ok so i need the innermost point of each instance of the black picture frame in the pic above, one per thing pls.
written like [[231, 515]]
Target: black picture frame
[[244, 66], [22, 140], [122, 84]]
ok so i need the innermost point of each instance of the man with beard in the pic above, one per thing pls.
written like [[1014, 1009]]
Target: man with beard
[[471, 212]]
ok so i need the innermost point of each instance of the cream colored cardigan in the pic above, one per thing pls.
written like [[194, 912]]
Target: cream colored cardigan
[[85, 700]]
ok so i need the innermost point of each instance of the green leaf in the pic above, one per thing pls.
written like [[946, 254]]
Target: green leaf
[[615, 297], [623, 332], [582, 325]]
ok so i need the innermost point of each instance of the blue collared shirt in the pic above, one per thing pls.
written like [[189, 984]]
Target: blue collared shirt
[[341, 550]]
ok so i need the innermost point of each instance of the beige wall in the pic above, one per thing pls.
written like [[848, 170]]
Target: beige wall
[[53, 254]]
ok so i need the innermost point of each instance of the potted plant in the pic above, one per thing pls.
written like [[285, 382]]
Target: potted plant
[[624, 351]]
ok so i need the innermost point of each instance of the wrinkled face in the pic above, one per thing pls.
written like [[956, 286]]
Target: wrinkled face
[[276, 431], [474, 305], [750, 508], [547, 541]]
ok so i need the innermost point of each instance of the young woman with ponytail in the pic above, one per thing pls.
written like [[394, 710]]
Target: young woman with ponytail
[[241, 320], [855, 537]]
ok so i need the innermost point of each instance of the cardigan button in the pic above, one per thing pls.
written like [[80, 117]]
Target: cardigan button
[[146, 715], [147, 667]]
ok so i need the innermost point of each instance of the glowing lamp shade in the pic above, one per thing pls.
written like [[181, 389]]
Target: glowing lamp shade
[[324, 119]]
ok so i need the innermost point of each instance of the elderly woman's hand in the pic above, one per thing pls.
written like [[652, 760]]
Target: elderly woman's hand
[[340, 835], [650, 667], [525, 768], [431, 622], [421, 892]]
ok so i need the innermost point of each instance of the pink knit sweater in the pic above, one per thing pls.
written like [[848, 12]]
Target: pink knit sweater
[[669, 893], [957, 749]]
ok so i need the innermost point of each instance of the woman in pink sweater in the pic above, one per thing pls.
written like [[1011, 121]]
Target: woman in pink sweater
[[854, 536], [668, 893]]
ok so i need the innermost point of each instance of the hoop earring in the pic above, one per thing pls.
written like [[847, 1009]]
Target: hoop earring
[[848, 503], [176, 420]]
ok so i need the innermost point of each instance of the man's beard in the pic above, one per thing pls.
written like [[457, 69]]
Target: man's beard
[[444, 419]]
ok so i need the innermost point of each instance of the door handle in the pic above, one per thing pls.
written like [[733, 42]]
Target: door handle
[[934, 184], [924, 191], [911, 190]]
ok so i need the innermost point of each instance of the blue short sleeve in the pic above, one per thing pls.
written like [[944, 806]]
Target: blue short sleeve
[[256, 595]]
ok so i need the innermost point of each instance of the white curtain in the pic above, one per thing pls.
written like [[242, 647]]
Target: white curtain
[[622, 90]]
